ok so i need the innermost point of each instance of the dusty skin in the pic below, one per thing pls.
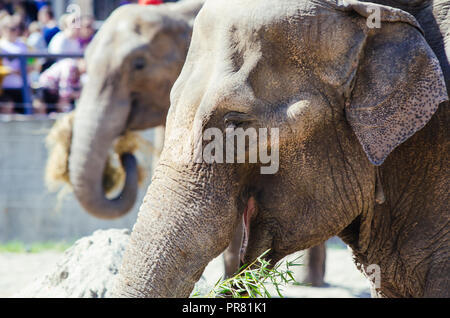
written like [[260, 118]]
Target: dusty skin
[[352, 131]]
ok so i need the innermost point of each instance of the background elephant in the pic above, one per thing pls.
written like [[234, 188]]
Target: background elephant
[[363, 144], [132, 64]]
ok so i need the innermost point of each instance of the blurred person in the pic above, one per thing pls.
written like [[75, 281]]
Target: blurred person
[[36, 41], [66, 41], [4, 71], [41, 3], [19, 11], [3, 14], [148, 2], [11, 43], [60, 85], [20, 18], [49, 28], [87, 31], [48, 23], [8, 6], [26, 9], [6, 107]]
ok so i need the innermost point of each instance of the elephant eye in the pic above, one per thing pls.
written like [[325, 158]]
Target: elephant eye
[[236, 119], [139, 63]]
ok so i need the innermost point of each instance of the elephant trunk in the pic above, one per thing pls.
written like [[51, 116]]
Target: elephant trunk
[[95, 128], [177, 233]]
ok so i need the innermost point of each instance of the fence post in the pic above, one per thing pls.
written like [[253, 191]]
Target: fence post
[[26, 94]]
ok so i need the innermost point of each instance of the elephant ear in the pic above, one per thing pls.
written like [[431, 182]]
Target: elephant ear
[[398, 84]]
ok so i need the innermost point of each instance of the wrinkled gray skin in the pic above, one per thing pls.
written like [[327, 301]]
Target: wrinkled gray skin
[[128, 89], [363, 115]]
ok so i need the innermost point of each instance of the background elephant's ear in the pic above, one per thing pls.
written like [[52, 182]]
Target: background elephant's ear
[[398, 86]]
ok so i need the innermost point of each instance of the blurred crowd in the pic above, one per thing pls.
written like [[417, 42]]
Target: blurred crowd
[[54, 84]]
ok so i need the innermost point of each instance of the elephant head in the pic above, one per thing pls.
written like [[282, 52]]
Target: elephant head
[[338, 97], [132, 64]]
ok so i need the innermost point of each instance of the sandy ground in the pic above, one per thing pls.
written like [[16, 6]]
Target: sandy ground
[[19, 270], [342, 277]]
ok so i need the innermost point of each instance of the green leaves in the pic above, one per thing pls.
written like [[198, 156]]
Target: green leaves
[[252, 281]]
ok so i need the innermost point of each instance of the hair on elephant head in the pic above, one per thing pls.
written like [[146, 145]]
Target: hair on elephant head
[[345, 97]]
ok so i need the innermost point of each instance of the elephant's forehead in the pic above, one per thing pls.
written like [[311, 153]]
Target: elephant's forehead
[[293, 25], [251, 55], [221, 15], [131, 21], [121, 34], [136, 15], [257, 46]]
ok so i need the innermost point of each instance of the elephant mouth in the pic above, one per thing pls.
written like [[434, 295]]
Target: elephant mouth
[[250, 212]]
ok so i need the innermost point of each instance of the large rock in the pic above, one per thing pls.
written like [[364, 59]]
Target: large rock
[[86, 270]]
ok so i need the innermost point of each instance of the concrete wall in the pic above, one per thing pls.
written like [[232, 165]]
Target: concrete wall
[[28, 212]]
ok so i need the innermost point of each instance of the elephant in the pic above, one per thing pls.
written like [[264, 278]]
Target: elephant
[[141, 103], [360, 123], [128, 88]]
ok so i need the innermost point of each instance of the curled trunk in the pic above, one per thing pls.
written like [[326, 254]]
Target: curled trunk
[[93, 134]]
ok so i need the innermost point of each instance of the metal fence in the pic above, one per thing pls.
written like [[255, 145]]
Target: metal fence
[[23, 58]]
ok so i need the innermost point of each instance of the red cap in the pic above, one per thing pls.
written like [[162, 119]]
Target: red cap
[[147, 2]]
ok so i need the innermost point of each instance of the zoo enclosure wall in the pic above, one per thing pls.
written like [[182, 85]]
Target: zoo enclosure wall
[[28, 212]]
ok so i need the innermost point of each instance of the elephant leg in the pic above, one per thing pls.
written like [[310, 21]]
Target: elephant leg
[[315, 266], [232, 253]]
